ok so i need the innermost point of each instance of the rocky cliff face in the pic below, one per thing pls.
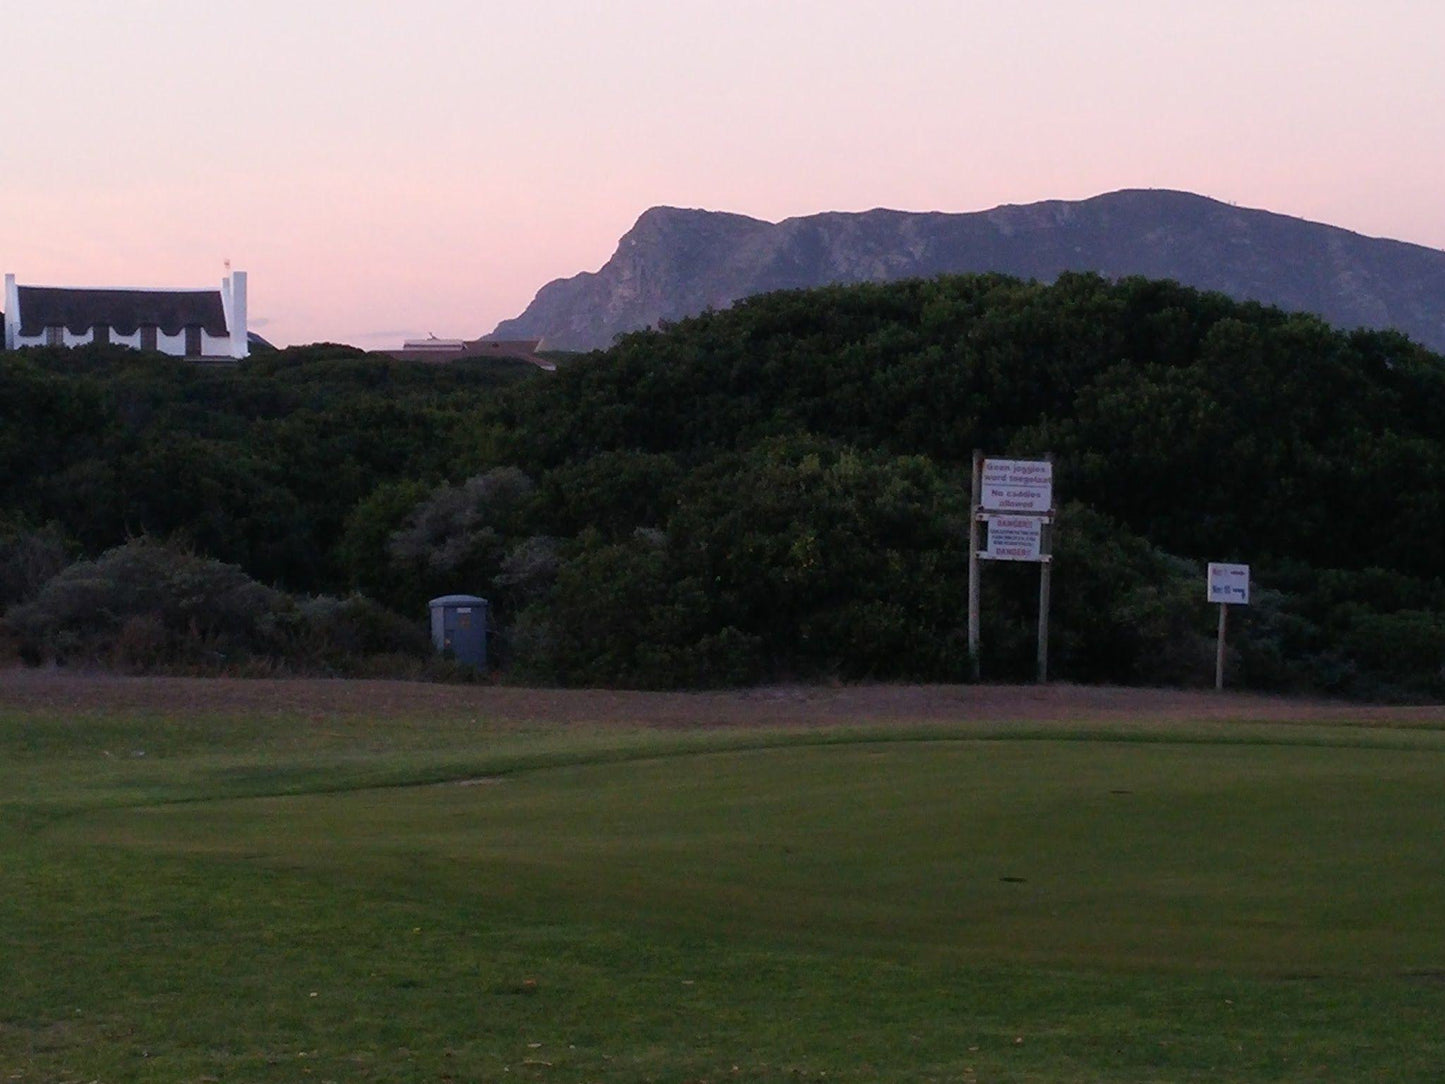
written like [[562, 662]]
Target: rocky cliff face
[[675, 263]]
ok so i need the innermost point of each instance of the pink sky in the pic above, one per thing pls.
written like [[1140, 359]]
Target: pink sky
[[386, 169]]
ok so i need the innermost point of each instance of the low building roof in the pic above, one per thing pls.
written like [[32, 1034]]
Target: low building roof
[[435, 350], [124, 311]]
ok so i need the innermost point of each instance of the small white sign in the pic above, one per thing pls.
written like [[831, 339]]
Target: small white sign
[[1014, 538], [1017, 485], [1229, 584]]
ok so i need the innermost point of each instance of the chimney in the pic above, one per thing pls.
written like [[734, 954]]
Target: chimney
[[12, 312], [236, 288]]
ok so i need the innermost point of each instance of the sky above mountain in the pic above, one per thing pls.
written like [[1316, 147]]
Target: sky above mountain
[[388, 169]]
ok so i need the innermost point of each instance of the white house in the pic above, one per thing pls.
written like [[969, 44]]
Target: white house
[[185, 323]]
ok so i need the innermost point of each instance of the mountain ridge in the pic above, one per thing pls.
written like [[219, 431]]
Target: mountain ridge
[[676, 262]]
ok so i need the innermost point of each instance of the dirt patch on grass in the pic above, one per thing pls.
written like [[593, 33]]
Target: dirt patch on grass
[[773, 706]]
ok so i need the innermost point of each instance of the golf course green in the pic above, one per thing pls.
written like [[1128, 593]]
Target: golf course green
[[214, 897]]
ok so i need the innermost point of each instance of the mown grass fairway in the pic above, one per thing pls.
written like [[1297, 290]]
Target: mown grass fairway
[[282, 898]]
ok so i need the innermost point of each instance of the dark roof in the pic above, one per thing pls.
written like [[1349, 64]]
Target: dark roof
[[521, 349], [122, 310]]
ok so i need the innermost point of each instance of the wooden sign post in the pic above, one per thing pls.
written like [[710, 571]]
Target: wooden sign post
[[973, 532], [1227, 585], [1014, 499]]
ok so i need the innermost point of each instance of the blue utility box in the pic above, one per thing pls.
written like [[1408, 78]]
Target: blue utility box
[[459, 628]]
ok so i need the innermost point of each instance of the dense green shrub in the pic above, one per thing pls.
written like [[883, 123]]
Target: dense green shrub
[[147, 606], [838, 562], [621, 613], [29, 557], [1124, 611], [1367, 633], [780, 490], [461, 531], [258, 465], [144, 603]]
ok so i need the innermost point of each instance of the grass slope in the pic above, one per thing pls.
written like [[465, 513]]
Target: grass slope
[[270, 898]]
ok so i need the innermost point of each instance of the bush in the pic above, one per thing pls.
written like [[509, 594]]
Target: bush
[[620, 615], [145, 603], [29, 556], [148, 606], [336, 633], [461, 527], [1369, 633], [1405, 649], [1124, 611]]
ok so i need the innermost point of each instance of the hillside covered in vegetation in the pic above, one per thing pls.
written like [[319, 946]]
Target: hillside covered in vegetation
[[776, 491]]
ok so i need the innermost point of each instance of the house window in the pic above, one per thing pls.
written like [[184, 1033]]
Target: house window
[[193, 342], [102, 333], [55, 336], [148, 337]]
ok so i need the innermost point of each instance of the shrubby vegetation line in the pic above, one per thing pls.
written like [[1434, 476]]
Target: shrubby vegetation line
[[775, 491]]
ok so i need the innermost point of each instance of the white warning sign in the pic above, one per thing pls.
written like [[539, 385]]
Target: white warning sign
[[1228, 584], [1017, 485], [1014, 538]]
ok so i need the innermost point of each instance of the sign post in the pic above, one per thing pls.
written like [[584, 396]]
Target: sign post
[[1046, 568], [1014, 498], [973, 663], [1226, 585]]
